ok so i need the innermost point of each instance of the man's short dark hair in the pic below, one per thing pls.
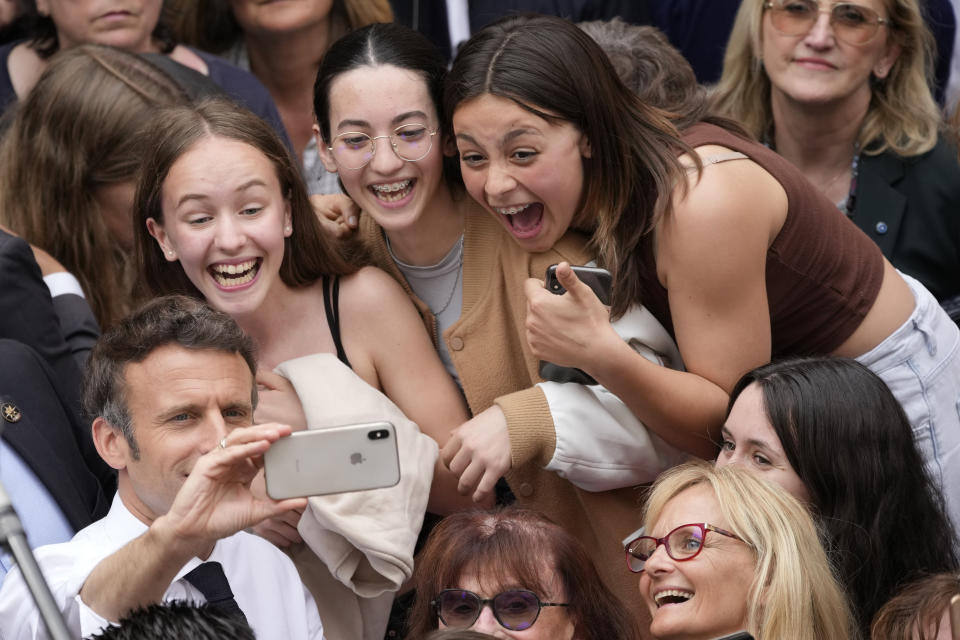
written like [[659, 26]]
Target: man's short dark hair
[[177, 619], [179, 320]]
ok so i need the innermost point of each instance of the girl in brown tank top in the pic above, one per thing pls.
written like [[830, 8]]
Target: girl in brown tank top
[[741, 260]]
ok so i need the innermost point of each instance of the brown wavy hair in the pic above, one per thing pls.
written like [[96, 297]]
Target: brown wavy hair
[[554, 70], [76, 131], [498, 544], [307, 255]]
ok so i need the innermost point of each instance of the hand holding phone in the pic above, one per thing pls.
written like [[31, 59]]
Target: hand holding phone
[[599, 280]]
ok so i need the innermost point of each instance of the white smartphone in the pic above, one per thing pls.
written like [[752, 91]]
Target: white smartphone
[[317, 462]]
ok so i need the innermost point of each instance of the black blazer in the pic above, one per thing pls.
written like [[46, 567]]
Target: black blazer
[[49, 437], [911, 208], [28, 315]]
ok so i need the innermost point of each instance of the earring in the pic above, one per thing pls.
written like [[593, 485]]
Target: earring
[[288, 229], [170, 254]]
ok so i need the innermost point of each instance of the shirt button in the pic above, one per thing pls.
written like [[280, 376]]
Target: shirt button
[[881, 227], [456, 343], [526, 490]]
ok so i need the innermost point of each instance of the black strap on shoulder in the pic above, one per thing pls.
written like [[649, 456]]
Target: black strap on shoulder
[[331, 305]]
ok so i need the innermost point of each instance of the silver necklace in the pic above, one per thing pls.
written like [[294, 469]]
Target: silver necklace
[[456, 281], [458, 247]]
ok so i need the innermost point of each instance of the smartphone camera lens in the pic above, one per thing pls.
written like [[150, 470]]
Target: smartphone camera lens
[[378, 434]]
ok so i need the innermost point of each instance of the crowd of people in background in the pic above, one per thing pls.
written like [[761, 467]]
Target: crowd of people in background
[[664, 322]]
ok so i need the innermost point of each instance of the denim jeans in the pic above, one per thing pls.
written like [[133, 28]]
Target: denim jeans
[[920, 362]]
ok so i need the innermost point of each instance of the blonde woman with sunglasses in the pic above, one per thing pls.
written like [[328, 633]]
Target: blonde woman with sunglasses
[[842, 91]]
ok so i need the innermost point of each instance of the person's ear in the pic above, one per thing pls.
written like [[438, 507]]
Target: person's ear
[[450, 146], [287, 219], [585, 149], [326, 157], [156, 230], [111, 444], [883, 66]]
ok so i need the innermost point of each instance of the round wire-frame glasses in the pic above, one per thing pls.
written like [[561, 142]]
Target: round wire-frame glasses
[[852, 23], [682, 543], [355, 149]]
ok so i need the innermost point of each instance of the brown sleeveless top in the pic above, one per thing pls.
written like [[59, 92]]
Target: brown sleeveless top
[[823, 273]]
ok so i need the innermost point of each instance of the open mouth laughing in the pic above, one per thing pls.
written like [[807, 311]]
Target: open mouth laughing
[[229, 275], [671, 596], [393, 191], [524, 219]]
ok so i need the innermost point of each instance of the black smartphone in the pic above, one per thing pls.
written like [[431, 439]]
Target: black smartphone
[[597, 279], [740, 635], [594, 277]]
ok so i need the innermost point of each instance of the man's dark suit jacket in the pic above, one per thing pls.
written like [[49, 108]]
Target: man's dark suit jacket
[[44, 381], [50, 439]]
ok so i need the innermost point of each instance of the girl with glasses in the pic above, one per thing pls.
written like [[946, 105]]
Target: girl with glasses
[[725, 552], [842, 90], [829, 431], [513, 573], [378, 106]]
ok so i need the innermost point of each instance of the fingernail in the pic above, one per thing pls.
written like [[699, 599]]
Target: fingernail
[[352, 220]]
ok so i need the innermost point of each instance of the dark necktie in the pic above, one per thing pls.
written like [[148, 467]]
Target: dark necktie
[[210, 580]]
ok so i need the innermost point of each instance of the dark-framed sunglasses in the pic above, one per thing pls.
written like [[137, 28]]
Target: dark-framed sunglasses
[[515, 610], [852, 23], [682, 543]]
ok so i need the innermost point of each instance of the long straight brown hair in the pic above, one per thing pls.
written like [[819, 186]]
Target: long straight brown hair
[[307, 255], [77, 131], [551, 68]]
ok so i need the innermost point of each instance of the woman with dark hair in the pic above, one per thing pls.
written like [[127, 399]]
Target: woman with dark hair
[[736, 254], [137, 26], [830, 432], [477, 572]]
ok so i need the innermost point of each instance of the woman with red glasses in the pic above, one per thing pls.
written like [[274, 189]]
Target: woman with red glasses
[[841, 90], [727, 552], [513, 573]]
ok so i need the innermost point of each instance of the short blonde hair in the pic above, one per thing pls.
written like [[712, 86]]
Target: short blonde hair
[[902, 117], [794, 593]]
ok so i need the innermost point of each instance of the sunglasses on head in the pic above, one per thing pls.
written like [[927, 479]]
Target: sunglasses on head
[[515, 610]]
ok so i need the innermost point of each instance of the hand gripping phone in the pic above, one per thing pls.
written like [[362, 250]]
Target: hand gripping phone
[[599, 280], [317, 462]]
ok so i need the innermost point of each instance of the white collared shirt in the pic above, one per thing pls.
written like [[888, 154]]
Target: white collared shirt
[[264, 582]]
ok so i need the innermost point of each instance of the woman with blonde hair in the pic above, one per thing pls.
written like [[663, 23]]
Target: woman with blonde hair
[[283, 47], [68, 164], [738, 554], [844, 94]]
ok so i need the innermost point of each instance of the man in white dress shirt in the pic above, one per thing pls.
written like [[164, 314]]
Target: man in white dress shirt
[[173, 390]]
